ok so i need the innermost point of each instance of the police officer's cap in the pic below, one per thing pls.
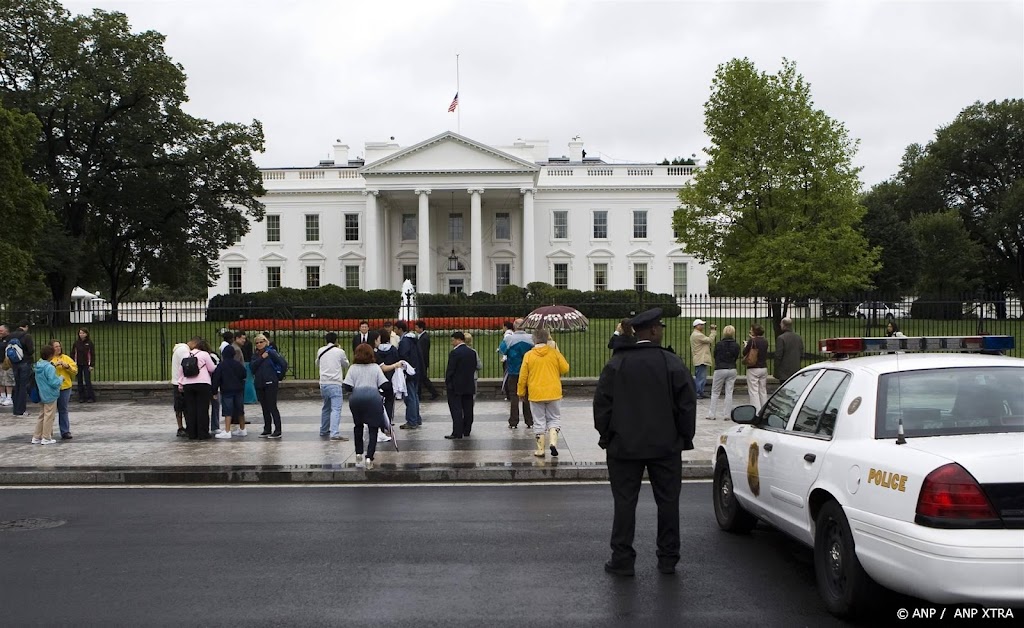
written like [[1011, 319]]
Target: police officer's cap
[[647, 319]]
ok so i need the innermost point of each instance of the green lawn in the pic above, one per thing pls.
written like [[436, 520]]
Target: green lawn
[[141, 351]]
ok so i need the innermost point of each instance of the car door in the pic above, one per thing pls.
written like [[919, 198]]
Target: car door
[[771, 422], [801, 449]]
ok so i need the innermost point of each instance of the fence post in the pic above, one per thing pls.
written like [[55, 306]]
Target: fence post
[[163, 345]]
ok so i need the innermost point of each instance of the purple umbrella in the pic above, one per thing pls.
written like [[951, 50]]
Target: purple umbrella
[[556, 318]]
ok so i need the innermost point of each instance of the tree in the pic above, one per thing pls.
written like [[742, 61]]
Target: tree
[[979, 159], [953, 264], [888, 231], [22, 205], [775, 210], [135, 183]]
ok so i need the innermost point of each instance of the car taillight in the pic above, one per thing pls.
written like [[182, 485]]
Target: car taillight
[[952, 498]]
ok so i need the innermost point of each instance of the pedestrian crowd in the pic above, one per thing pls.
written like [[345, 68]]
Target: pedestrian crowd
[[47, 381]]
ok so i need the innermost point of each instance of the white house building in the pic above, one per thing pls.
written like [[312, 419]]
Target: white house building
[[452, 214]]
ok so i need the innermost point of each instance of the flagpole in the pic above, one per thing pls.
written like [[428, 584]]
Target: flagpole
[[458, 110]]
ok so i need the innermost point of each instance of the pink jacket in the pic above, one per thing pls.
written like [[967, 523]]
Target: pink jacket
[[206, 368]]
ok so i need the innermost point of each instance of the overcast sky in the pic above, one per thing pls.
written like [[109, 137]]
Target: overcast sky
[[630, 77]]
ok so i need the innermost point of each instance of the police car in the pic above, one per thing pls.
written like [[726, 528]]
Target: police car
[[904, 468]]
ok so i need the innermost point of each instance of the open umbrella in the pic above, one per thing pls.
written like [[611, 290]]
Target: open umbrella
[[556, 318]]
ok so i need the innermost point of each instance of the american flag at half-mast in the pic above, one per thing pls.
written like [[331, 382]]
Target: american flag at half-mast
[[455, 103]]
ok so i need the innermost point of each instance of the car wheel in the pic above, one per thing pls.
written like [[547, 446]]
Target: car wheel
[[890, 317], [731, 516], [861, 316], [842, 583]]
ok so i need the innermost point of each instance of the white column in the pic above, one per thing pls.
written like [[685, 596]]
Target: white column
[[423, 272], [529, 273], [373, 243], [476, 242]]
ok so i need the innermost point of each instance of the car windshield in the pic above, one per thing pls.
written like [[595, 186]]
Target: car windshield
[[948, 401]]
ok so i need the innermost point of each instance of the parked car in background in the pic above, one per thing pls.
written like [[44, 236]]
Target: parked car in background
[[882, 310]]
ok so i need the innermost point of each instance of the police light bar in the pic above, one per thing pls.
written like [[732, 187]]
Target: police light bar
[[918, 344]]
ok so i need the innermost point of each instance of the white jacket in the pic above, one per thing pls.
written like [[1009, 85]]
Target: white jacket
[[398, 381]]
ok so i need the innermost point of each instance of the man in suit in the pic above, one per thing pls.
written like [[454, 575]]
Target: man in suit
[[458, 380], [362, 336], [423, 339]]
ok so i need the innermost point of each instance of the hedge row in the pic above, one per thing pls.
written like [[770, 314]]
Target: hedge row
[[333, 302]]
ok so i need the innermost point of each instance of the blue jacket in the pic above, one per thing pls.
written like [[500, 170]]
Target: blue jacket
[[47, 381], [263, 372], [514, 347]]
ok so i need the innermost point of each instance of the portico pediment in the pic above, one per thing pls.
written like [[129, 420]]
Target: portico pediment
[[449, 153]]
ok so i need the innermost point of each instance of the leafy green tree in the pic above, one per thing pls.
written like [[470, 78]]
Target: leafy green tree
[[979, 159], [22, 205], [775, 209], [136, 185], [887, 230]]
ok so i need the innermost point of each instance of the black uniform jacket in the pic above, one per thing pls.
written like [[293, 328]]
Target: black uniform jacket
[[458, 377], [645, 405]]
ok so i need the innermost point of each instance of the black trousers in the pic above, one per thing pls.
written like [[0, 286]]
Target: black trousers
[[268, 401], [429, 385], [85, 392], [461, 407], [625, 476], [197, 409], [512, 382]]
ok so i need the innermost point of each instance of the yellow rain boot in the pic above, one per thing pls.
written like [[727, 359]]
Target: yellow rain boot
[[553, 437], [540, 446]]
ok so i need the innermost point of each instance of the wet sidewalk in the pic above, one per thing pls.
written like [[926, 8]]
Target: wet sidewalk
[[135, 443]]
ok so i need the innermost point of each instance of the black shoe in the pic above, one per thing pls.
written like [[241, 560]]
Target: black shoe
[[66, 436], [618, 571], [405, 426], [451, 436], [554, 451], [276, 435], [666, 568], [92, 401], [265, 435], [182, 433], [435, 397]]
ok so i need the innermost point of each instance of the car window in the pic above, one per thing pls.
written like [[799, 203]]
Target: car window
[[941, 402], [779, 408], [818, 413]]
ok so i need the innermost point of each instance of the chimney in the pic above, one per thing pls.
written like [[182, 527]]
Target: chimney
[[576, 150], [340, 153]]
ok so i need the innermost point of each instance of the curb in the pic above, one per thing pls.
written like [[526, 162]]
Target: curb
[[322, 474]]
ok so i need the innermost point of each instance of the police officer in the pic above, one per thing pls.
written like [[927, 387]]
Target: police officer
[[645, 410]]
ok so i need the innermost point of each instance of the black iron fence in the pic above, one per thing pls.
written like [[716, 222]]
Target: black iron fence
[[138, 346]]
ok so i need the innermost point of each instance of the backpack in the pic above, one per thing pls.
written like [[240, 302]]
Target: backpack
[[190, 366], [750, 359], [280, 366], [14, 351]]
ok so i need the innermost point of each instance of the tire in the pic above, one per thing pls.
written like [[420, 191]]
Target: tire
[[731, 516], [861, 316], [844, 586]]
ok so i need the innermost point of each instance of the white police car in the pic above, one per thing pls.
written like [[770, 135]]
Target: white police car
[[904, 469]]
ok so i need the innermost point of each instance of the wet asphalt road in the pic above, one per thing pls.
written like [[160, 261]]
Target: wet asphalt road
[[522, 555]]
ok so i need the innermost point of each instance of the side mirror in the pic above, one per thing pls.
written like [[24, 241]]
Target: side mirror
[[744, 414]]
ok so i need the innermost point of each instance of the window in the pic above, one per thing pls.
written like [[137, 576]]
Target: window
[[779, 408], [351, 276], [351, 227], [601, 225], [312, 276], [561, 276], [502, 226], [640, 224], [409, 227], [312, 227], [409, 273], [455, 228], [502, 276], [561, 222], [820, 409], [600, 277], [273, 277], [640, 277], [234, 280], [456, 286], [273, 228], [679, 279]]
